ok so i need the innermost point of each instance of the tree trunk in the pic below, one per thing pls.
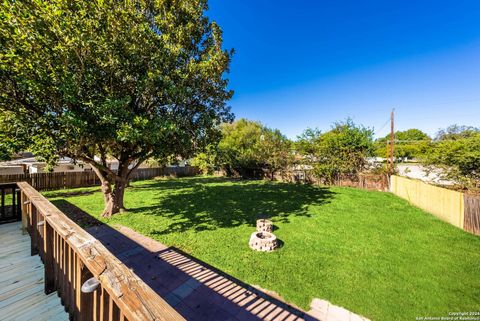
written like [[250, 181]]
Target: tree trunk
[[114, 184], [113, 198]]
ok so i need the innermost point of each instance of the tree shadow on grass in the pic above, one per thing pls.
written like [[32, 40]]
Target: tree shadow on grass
[[179, 277], [201, 204], [76, 214], [72, 193], [165, 183]]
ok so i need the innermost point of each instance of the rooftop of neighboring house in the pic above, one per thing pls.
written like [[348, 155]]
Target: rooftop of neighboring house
[[33, 161]]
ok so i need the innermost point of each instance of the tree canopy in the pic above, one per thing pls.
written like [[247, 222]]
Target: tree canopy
[[457, 153], [124, 79], [410, 143], [245, 147], [340, 152], [455, 131]]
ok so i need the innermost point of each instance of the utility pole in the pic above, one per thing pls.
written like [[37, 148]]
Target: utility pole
[[392, 139]]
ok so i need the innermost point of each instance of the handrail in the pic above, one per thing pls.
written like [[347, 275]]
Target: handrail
[[72, 256]]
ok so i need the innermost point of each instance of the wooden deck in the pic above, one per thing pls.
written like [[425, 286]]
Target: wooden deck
[[22, 296]]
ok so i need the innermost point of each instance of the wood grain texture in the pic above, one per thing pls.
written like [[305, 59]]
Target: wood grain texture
[[129, 295], [445, 204], [21, 281], [472, 213]]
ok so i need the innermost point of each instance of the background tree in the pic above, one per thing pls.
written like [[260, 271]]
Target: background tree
[[124, 79], [340, 152], [457, 154], [275, 151], [238, 150], [305, 144], [247, 147], [455, 131], [410, 143], [206, 160]]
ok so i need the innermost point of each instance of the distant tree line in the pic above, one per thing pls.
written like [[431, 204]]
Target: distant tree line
[[345, 150], [249, 146], [246, 146]]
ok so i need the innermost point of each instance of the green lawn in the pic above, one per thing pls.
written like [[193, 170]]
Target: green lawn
[[369, 252]]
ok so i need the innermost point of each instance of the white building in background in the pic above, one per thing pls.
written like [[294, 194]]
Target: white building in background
[[60, 167], [113, 164], [11, 170], [31, 165]]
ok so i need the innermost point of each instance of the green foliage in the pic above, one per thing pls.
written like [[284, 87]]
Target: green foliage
[[206, 160], [410, 134], [239, 146], [459, 158], [455, 131], [246, 146], [9, 143], [411, 143], [125, 79], [340, 152], [274, 151], [305, 143]]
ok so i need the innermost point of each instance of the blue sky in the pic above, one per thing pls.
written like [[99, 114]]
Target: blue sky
[[302, 64]]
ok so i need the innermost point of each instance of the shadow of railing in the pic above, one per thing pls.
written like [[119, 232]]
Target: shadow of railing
[[195, 289]]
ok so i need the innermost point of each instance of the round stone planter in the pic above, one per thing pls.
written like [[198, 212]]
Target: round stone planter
[[264, 225], [263, 241]]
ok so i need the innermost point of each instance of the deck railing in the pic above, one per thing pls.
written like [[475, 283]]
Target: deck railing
[[92, 283], [10, 208]]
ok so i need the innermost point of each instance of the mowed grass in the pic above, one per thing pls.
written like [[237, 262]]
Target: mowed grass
[[369, 252]]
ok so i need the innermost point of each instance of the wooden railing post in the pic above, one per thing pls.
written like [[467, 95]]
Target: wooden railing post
[[48, 252], [71, 281], [18, 206], [14, 202], [34, 232], [86, 299], [2, 205], [24, 201]]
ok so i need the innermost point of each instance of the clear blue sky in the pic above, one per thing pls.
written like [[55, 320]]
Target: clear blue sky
[[302, 64]]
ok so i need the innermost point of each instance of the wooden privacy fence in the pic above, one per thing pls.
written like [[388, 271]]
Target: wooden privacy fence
[[51, 181], [374, 182], [61, 180], [72, 256], [472, 213], [147, 173], [456, 208]]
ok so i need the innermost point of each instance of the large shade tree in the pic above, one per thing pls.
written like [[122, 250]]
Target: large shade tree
[[131, 79]]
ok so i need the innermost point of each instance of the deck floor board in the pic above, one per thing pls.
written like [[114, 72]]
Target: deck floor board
[[21, 281]]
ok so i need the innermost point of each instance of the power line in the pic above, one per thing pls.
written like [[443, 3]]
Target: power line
[[383, 126]]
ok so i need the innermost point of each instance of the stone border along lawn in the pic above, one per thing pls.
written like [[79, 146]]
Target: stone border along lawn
[[370, 252]]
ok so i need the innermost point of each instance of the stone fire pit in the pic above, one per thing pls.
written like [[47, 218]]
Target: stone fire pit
[[263, 241], [264, 225]]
